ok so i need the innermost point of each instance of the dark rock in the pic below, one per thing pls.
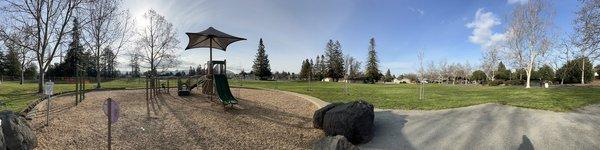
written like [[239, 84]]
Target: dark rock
[[353, 120], [17, 132], [320, 113], [337, 142], [2, 143]]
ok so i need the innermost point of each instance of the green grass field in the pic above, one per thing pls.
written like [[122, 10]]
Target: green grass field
[[400, 96], [16, 97], [438, 96]]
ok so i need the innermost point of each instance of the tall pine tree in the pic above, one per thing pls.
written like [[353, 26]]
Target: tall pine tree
[[335, 60], [305, 69], [261, 67], [388, 76], [75, 53], [372, 73], [502, 72], [12, 65], [317, 68]]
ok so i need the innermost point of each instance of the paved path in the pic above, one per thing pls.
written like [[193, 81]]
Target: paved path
[[486, 126]]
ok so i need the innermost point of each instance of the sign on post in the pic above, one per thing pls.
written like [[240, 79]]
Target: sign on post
[[111, 110], [48, 89]]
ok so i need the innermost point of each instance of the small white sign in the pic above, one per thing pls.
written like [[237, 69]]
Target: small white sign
[[48, 88]]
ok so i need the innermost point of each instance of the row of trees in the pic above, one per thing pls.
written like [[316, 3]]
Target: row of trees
[[336, 66], [529, 42], [11, 65], [37, 31]]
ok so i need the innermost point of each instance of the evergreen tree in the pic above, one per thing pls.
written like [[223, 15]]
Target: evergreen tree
[[573, 71], [318, 69], [192, 71], [597, 68], [12, 65], [31, 71], [305, 69], [322, 67], [335, 60], [261, 67], [108, 63], [372, 73], [2, 64], [388, 76], [502, 72], [313, 69], [545, 73], [478, 76], [75, 55]]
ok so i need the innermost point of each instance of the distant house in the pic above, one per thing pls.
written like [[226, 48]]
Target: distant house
[[351, 81], [403, 80], [327, 80]]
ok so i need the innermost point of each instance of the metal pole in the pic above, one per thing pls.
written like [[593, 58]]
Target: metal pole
[[109, 120], [147, 103], [48, 111], [210, 71], [77, 87]]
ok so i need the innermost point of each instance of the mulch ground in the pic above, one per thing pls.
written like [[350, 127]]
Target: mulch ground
[[261, 120]]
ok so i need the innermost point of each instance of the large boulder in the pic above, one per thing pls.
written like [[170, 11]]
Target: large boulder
[[337, 142], [320, 114], [353, 120], [17, 132]]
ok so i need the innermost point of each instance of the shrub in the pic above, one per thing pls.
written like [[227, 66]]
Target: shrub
[[514, 82], [496, 82]]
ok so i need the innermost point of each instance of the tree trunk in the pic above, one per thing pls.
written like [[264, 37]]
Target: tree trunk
[[527, 84], [41, 80], [22, 76], [98, 68], [582, 71]]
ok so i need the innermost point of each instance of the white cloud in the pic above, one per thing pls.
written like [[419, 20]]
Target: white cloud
[[417, 10], [517, 1], [482, 29]]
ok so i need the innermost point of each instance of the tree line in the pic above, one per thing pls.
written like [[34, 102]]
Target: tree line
[[334, 65], [54, 38], [530, 43]]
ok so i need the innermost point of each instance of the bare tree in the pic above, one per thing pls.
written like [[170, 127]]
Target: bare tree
[[421, 56], [587, 27], [527, 34], [444, 70], [433, 72], [353, 67], [106, 26], [467, 69], [562, 54], [457, 72], [157, 42], [25, 56], [44, 21], [490, 59]]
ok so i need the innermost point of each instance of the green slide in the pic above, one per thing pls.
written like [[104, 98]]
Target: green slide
[[223, 90]]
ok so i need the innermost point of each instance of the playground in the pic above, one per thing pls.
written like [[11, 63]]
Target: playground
[[261, 120]]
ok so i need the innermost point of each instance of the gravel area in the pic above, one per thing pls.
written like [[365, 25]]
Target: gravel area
[[261, 120]]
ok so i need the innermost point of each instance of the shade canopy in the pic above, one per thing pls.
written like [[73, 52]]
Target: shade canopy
[[211, 37]]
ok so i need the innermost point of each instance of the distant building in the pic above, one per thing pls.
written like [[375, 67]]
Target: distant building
[[403, 80], [327, 80]]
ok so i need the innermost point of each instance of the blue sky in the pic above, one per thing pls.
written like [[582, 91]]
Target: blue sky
[[296, 30]]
